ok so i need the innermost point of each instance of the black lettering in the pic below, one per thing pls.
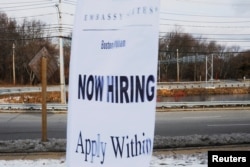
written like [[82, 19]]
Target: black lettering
[[97, 17], [85, 17], [109, 16], [116, 90], [79, 143], [90, 87], [81, 86], [88, 148], [114, 16], [124, 85], [150, 90], [98, 87], [132, 147], [131, 89], [103, 17], [138, 146], [128, 150], [110, 93], [91, 17], [117, 145], [139, 88], [102, 44], [148, 146], [151, 10]]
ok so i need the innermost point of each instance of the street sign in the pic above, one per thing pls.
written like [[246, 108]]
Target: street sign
[[35, 63]]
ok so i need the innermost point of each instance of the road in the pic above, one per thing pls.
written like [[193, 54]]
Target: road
[[28, 126], [202, 122]]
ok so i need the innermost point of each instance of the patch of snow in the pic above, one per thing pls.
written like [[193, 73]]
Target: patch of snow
[[194, 160], [32, 163], [31, 145], [160, 142], [201, 140], [190, 160]]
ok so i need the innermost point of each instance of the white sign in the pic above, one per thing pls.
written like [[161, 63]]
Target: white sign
[[112, 89]]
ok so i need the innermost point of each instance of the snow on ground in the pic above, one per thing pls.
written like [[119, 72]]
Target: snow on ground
[[160, 142], [192, 160], [158, 160], [32, 163]]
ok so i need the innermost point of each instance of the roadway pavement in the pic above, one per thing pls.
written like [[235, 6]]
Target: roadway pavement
[[214, 122], [22, 125], [202, 122]]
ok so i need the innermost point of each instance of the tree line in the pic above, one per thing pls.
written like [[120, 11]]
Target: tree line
[[29, 37], [23, 40], [228, 62]]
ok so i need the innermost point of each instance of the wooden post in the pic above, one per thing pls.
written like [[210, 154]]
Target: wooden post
[[44, 94]]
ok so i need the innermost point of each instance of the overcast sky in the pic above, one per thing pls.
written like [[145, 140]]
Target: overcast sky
[[225, 21]]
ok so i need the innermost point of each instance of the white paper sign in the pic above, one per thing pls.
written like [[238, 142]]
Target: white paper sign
[[112, 90]]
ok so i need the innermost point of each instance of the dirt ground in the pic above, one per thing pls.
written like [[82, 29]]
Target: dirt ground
[[54, 97], [201, 91]]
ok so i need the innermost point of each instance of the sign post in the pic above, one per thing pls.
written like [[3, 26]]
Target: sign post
[[112, 86], [44, 95]]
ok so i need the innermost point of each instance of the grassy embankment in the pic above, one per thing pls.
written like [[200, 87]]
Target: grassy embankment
[[201, 91]]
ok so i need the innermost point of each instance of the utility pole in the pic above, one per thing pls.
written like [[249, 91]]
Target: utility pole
[[13, 64], [61, 59], [159, 70], [195, 67], [206, 72], [212, 68], [177, 65]]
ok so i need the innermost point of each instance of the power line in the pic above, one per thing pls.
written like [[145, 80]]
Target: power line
[[206, 34], [205, 26], [44, 37], [69, 3], [25, 2], [39, 7], [195, 21], [40, 15], [199, 15], [216, 3], [22, 6]]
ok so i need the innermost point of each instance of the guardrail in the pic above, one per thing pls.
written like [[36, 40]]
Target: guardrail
[[33, 106], [202, 104], [14, 90], [209, 85], [64, 107]]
